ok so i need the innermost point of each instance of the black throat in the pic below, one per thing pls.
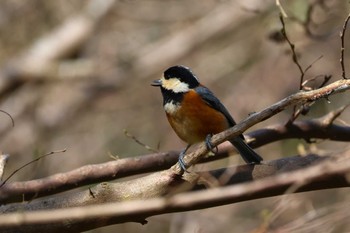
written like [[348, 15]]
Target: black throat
[[170, 96]]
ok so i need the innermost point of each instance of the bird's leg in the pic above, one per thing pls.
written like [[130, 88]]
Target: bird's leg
[[181, 158], [209, 145]]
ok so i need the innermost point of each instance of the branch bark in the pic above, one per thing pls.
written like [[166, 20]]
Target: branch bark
[[300, 97], [316, 128], [331, 173], [308, 129], [319, 128], [168, 181]]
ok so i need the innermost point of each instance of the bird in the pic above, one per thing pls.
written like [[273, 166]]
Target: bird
[[195, 113]]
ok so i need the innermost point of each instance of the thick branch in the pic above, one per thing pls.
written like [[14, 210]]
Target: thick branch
[[18, 191], [320, 128], [61, 182], [89, 174], [328, 174]]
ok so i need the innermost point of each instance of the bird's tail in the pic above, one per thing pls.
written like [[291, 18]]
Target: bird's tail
[[247, 153]]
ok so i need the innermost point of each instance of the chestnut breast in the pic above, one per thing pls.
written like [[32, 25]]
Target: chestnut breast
[[193, 119]]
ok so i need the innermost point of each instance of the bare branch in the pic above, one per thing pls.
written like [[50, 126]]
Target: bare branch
[[320, 128], [33, 161], [331, 116], [282, 11], [129, 135], [86, 175], [169, 178], [328, 174], [342, 49], [9, 115], [298, 98], [305, 107], [294, 54]]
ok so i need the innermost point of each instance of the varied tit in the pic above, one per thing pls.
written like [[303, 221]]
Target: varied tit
[[195, 113]]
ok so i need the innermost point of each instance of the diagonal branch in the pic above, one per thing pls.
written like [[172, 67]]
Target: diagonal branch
[[90, 174], [300, 97], [320, 128]]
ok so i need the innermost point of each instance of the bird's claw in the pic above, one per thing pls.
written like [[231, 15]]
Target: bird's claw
[[210, 146], [182, 163]]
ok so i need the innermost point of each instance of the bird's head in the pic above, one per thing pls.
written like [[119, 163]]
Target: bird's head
[[177, 79]]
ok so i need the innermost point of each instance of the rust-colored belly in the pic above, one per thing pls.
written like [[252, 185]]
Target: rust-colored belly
[[193, 122]]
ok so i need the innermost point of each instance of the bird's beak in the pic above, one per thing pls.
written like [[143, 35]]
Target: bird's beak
[[156, 83]]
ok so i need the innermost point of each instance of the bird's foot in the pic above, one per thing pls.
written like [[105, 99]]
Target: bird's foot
[[210, 147], [182, 162]]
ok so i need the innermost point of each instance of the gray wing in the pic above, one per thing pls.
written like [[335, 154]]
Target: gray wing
[[247, 153], [214, 102]]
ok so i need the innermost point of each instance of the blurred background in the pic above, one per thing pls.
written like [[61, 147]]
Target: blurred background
[[77, 74]]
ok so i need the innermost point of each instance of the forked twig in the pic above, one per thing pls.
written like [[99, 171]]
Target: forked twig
[[294, 55]]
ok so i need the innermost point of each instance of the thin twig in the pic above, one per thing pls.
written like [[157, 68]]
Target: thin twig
[[13, 122], [333, 115], [342, 49], [282, 11], [306, 106], [326, 78], [294, 55], [296, 112], [129, 135], [309, 67], [319, 128], [131, 166], [304, 109], [35, 160]]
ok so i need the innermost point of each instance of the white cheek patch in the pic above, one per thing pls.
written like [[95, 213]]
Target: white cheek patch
[[171, 107], [175, 85]]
